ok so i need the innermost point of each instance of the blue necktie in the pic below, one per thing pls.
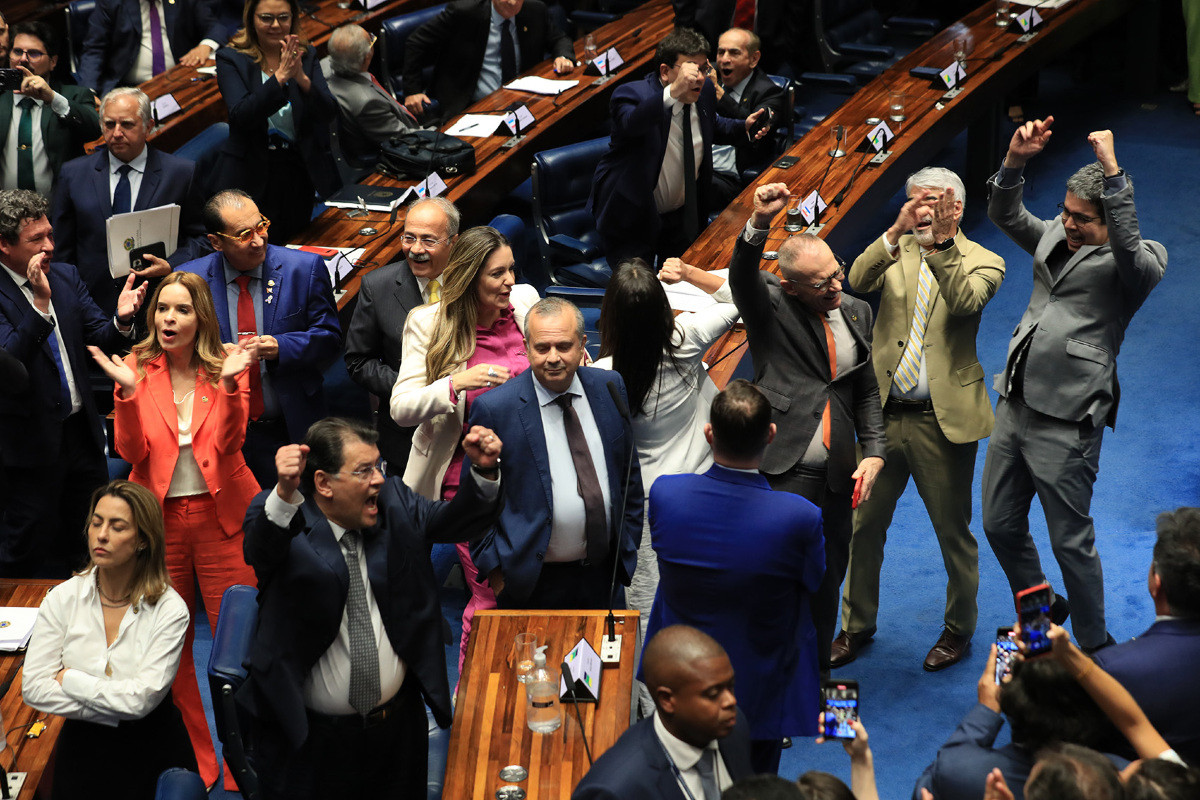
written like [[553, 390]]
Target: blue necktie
[[122, 202], [508, 53]]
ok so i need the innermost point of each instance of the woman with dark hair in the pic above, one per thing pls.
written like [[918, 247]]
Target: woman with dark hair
[[455, 350], [182, 406], [659, 357], [104, 651], [279, 114]]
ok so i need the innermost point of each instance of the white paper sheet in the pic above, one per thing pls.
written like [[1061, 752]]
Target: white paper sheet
[[683, 296], [16, 624], [137, 229], [537, 85], [476, 125]]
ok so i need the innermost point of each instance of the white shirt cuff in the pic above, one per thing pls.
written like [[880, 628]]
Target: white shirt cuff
[[279, 511], [754, 235], [668, 101], [892, 247], [60, 105], [214, 45]]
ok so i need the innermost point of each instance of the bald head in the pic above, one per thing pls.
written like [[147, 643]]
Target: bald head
[[673, 650], [805, 261], [691, 681]]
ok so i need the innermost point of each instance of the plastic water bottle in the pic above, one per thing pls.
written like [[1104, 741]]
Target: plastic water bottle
[[541, 696]]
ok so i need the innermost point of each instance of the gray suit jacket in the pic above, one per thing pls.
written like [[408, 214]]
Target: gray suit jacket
[[368, 116], [374, 346], [1075, 323], [791, 366]]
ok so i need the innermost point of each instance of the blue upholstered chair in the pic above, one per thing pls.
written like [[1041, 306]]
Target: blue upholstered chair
[[567, 238], [393, 33], [178, 783], [231, 644], [78, 14]]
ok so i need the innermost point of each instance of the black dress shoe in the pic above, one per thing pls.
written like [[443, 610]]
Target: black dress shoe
[[846, 646], [1060, 609], [950, 649], [1108, 639]]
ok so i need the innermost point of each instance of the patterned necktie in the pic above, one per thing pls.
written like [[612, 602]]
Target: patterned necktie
[[707, 769], [247, 324], [121, 195], [25, 145], [158, 58], [364, 656], [508, 52], [691, 212], [435, 290], [587, 483], [827, 415], [909, 370]]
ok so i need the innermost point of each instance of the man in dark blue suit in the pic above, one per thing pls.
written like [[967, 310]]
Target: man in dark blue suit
[[695, 746], [569, 445], [348, 648], [51, 438], [120, 49], [651, 188], [739, 561], [1158, 667], [283, 299], [126, 175]]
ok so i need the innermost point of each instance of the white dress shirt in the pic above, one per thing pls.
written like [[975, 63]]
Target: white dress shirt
[[490, 76], [725, 155], [568, 534], [816, 454], [685, 757], [143, 66], [138, 163], [43, 178], [103, 683], [669, 191], [23, 282]]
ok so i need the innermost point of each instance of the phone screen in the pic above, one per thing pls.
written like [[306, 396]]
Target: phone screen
[[839, 708], [1034, 609], [1006, 648]]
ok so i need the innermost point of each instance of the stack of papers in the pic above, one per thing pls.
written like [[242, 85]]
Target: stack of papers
[[538, 85], [683, 296], [16, 624]]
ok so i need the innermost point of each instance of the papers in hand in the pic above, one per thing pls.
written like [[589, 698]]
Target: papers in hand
[[137, 229], [476, 125], [683, 296], [537, 85], [16, 624]]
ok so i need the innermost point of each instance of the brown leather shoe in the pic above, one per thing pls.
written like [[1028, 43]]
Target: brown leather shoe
[[950, 649], [846, 646]]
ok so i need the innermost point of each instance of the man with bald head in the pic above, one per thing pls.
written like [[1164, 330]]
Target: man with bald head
[[369, 114], [695, 745], [811, 348]]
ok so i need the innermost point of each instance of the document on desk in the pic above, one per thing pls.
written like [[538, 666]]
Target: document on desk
[[476, 125], [137, 229], [339, 261], [683, 296], [16, 624], [537, 85]]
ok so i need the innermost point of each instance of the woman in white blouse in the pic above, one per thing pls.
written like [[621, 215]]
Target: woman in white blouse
[[659, 357], [104, 652]]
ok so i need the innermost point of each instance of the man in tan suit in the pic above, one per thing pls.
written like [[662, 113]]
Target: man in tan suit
[[935, 283]]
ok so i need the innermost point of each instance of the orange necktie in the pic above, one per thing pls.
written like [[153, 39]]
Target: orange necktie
[[827, 417]]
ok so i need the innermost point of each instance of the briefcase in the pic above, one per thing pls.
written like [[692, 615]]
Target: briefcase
[[417, 153]]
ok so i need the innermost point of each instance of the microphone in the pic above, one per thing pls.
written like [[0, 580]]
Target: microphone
[[570, 681], [839, 132], [610, 647]]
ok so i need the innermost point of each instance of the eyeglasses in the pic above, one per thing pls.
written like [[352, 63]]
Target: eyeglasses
[[271, 19], [246, 236], [1080, 219], [838, 276], [19, 53], [426, 241], [365, 474]]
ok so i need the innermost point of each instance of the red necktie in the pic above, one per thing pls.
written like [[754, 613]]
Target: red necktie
[[247, 324], [389, 96], [827, 417], [743, 14]]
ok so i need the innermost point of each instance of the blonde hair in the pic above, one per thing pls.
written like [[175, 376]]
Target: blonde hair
[[453, 339], [246, 39], [150, 576], [208, 349]]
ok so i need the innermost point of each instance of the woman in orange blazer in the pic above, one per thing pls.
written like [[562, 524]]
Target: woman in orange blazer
[[182, 405]]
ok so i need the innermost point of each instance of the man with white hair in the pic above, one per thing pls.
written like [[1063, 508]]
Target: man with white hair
[[934, 283], [369, 114]]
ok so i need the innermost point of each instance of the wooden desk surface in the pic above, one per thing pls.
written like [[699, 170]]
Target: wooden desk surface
[[24, 755], [498, 170], [996, 64], [29, 10], [490, 730]]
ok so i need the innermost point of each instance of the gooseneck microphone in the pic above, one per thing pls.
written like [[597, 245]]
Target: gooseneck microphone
[[569, 679]]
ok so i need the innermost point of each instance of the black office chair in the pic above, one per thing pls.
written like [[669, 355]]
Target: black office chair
[[854, 39], [571, 252], [601, 13], [231, 644], [78, 14], [351, 167], [393, 33]]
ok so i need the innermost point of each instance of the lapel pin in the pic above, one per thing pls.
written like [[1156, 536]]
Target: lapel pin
[[203, 398], [268, 299], [271, 282]]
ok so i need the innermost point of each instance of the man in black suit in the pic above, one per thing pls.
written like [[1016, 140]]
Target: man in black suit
[[811, 347], [696, 744], [120, 48], [126, 175], [374, 340], [786, 27], [742, 89], [476, 46], [348, 648]]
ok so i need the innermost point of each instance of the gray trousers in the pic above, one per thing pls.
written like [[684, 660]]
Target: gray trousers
[[1030, 453]]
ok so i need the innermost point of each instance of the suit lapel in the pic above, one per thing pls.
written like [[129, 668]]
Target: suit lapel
[[911, 257], [202, 400], [215, 278], [1080, 254], [150, 180], [320, 537], [100, 183], [272, 279], [158, 383], [407, 291], [134, 12], [530, 414], [6, 113]]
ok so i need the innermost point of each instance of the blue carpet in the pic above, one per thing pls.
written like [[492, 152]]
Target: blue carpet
[[907, 711]]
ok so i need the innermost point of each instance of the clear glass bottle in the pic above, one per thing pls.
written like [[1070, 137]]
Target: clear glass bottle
[[589, 50], [541, 696]]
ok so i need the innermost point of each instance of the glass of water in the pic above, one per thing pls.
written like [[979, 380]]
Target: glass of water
[[523, 649], [1003, 13]]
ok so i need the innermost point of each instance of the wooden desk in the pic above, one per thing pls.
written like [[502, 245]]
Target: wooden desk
[[996, 64], [30, 756], [489, 730], [497, 171], [29, 10]]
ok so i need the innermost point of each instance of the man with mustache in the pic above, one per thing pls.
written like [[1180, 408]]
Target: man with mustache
[[934, 283], [1092, 270]]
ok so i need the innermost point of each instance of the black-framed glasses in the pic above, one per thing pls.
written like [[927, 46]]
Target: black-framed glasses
[[244, 237], [1080, 219], [271, 19], [18, 53], [426, 241], [838, 276], [364, 474]]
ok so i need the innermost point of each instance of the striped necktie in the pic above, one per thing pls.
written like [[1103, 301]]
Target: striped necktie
[[909, 370]]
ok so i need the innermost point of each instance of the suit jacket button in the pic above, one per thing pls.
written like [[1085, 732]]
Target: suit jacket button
[[889, 373], [204, 463], [899, 344], [539, 556], [816, 415], [1053, 299]]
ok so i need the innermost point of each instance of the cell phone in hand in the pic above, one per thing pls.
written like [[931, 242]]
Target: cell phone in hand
[[1006, 648], [1033, 609], [839, 708], [10, 80]]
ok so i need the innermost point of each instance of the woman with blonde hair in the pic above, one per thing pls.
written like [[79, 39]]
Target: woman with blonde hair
[[182, 406], [454, 350], [104, 652]]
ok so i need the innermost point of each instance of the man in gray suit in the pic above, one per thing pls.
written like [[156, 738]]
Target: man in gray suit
[[1091, 273], [369, 115], [811, 347], [387, 294]]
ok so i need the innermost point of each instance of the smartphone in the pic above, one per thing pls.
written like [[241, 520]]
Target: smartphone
[[1006, 648], [10, 79], [839, 708], [785, 162], [137, 256], [764, 122], [1033, 609]]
